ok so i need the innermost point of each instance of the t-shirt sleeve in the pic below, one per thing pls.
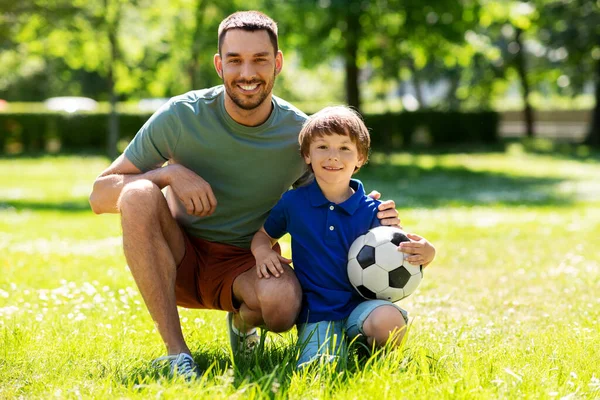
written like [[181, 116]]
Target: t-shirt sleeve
[[375, 222], [156, 140], [277, 222], [306, 178]]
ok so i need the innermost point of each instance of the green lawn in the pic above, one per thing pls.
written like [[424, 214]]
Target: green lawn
[[509, 309]]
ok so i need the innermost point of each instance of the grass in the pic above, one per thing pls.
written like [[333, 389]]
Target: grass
[[509, 309]]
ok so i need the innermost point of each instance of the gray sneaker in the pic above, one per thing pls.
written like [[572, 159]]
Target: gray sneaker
[[241, 344], [181, 364]]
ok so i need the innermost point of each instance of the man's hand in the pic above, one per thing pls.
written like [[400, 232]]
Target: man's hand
[[388, 215], [193, 191], [420, 251]]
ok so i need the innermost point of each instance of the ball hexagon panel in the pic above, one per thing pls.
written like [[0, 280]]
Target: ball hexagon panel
[[399, 277], [355, 272], [375, 278], [388, 257], [412, 284], [366, 256], [356, 246], [366, 293], [391, 294]]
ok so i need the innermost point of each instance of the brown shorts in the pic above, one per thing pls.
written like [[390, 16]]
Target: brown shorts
[[206, 273]]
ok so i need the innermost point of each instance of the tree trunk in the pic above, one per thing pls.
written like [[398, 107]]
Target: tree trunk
[[113, 119], [522, 71], [416, 81], [352, 36], [196, 45], [593, 137]]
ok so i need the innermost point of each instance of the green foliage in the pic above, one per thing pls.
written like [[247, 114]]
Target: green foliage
[[393, 131], [61, 131], [35, 131]]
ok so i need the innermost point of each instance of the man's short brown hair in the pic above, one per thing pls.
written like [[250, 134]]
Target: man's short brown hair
[[250, 21], [339, 120]]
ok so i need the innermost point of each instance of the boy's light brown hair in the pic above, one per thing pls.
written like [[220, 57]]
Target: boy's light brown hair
[[336, 120], [249, 21]]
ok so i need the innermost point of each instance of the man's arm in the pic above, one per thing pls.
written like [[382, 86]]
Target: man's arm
[[109, 184], [194, 192]]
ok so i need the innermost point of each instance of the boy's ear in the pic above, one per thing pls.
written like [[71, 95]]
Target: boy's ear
[[307, 159]]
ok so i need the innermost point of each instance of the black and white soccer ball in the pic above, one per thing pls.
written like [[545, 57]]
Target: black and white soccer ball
[[376, 268]]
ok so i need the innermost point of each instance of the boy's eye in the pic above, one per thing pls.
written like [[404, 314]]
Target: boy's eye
[[322, 146]]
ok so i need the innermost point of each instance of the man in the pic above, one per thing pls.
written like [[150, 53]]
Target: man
[[231, 152]]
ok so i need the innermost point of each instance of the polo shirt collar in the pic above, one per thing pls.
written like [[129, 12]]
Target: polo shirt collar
[[317, 199]]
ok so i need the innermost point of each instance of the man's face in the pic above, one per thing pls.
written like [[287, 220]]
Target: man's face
[[248, 65]]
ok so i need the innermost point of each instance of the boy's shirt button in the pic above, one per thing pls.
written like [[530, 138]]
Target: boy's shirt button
[[331, 228], [331, 207]]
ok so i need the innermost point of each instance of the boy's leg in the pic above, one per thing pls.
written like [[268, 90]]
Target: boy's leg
[[377, 320], [318, 339]]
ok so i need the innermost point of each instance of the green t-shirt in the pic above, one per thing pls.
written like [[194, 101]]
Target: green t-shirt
[[248, 168]]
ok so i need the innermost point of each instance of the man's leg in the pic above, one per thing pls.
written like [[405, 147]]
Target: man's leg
[[154, 245], [274, 302]]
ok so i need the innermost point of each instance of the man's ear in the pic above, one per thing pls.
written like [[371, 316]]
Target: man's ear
[[278, 62], [218, 64]]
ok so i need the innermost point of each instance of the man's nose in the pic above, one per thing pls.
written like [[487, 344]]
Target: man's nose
[[247, 71]]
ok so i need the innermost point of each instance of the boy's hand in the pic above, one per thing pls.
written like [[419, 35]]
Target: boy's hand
[[269, 263], [388, 215], [421, 251]]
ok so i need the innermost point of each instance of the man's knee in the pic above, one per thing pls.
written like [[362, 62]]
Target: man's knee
[[139, 196], [280, 301]]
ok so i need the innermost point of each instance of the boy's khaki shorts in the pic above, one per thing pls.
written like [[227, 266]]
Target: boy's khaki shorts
[[206, 273]]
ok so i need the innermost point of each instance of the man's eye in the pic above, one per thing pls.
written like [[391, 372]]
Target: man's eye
[[261, 60], [234, 61]]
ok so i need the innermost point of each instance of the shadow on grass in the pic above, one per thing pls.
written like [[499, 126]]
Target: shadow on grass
[[215, 363], [270, 371], [415, 186], [67, 206]]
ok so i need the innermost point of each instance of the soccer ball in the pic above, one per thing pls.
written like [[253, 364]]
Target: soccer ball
[[377, 270]]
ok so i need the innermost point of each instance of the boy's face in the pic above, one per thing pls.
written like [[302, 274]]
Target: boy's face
[[333, 158]]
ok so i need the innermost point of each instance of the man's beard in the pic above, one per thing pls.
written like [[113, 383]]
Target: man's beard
[[247, 104]]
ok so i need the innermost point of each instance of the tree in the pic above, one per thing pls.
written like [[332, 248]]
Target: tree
[[572, 30]]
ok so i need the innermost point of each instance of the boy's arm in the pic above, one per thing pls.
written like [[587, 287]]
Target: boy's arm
[[268, 261], [420, 251]]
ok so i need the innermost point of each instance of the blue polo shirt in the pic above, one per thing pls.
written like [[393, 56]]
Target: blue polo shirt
[[322, 233]]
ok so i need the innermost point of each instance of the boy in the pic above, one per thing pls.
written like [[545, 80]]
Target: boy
[[324, 218]]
